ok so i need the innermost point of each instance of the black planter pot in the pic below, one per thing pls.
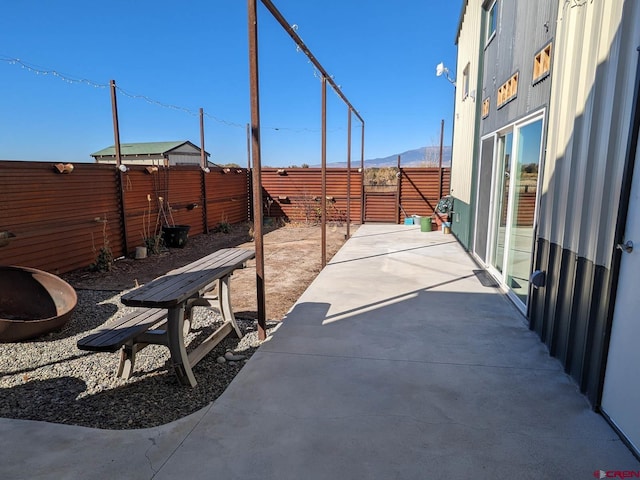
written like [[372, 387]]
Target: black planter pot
[[176, 236]]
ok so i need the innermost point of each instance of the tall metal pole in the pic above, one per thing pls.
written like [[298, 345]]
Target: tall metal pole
[[249, 182], [257, 179], [116, 139], [440, 163], [362, 177], [349, 173], [116, 127], [203, 164], [324, 172], [398, 192], [248, 147]]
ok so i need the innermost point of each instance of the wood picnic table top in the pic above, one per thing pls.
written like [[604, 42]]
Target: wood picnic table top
[[177, 286]]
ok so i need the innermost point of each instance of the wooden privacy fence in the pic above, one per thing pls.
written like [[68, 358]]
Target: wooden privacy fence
[[62, 220]]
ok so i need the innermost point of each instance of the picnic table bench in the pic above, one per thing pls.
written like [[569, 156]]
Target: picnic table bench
[[163, 316]]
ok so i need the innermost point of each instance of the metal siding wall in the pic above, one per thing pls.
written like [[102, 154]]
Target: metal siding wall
[[589, 116], [588, 126], [466, 110], [523, 29]]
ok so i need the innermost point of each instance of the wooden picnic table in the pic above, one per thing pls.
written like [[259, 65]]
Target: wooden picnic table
[[181, 289]]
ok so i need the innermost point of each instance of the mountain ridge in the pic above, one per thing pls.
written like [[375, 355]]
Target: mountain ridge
[[417, 157]]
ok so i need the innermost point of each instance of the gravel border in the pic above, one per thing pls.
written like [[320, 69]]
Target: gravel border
[[50, 379]]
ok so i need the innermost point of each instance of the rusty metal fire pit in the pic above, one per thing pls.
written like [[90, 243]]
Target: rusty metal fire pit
[[32, 303]]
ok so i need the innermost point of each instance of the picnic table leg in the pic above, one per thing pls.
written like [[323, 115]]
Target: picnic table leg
[[127, 360], [225, 303], [175, 338]]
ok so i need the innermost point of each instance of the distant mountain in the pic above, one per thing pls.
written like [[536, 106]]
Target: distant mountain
[[419, 157]]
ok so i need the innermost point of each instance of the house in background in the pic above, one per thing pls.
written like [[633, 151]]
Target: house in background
[[153, 153], [554, 194]]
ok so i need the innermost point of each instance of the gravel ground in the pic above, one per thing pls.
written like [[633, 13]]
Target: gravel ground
[[50, 379]]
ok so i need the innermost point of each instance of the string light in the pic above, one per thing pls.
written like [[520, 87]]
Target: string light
[[37, 70]]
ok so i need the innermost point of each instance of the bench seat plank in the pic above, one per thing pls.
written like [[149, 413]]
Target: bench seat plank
[[111, 337]]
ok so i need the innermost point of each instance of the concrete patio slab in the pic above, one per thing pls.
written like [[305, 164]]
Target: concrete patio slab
[[397, 362]]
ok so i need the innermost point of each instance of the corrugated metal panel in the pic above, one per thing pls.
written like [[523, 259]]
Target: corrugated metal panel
[[466, 109], [420, 189], [296, 194], [380, 207], [523, 29], [589, 120], [588, 126], [54, 215], [227, 196]]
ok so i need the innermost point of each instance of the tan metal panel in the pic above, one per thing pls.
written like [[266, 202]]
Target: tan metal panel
[[466, 108], [590, 111]]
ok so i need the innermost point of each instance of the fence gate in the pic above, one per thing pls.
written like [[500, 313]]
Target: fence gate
[[381, 203]]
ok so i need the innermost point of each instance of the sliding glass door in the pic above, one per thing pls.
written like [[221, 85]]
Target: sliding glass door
[[522, 208], [515, 195]]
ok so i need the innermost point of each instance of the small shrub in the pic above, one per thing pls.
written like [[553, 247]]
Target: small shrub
[[222, 227], [104, 260]]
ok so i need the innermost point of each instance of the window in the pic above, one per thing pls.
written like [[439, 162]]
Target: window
[[508, 91], [485, 107], [542, 64], [492, 21], [465, 82]]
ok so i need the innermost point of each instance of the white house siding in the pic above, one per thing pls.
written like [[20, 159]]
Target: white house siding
[[465, 121], [182, 159], [184, 155], [465, 109]]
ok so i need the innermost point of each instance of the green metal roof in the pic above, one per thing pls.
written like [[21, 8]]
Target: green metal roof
[[148, 148]]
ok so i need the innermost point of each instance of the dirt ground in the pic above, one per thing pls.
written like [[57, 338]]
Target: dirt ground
[[292, 259]]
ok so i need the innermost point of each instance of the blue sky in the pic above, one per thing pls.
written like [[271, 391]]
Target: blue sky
[[194, 54]]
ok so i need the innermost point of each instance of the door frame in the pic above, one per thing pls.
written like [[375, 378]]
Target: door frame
[[512, 127]]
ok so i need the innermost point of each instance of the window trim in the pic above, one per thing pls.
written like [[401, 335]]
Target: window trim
[[511, 87], [490, 35], [547, 72], [486, 105], [466, 80]]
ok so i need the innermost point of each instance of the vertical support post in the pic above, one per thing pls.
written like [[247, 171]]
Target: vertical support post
[[349, 174], [399, 177], [254, 88], [203, 173], [324, 172], [362, 177], [116, 140], [116, 126], [249, 182], [440, 162]]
